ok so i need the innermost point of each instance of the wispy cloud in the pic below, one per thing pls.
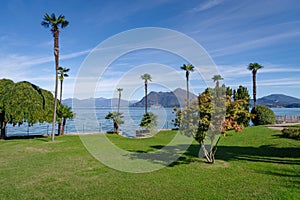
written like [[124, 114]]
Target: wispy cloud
[[207, 5], [33, 68], [17, 61], [239, 71], [280, 82], [253, 44]]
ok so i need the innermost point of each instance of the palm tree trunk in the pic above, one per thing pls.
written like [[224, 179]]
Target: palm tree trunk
[[254, 88], [61, 88], [63, 126], [119, 101], [187, 88], [60, 128], [56, 53], [146, 97], [116, 127], [3, 130]]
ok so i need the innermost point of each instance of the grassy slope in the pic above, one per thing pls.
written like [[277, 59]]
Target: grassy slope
[[254, 164]]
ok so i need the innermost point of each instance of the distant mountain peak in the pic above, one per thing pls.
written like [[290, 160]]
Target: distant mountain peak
[[279, 100], [165, 99]]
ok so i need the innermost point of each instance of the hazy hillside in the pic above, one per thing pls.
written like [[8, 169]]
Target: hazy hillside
[[98, 102], [177, 98], [279, 100]]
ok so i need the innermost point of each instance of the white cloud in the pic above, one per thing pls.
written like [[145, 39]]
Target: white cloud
[[253, 44], [207, 5]]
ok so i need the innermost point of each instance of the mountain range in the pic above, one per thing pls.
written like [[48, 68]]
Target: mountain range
[[279, 100], [165, 99], [177, 98], [99, 102]]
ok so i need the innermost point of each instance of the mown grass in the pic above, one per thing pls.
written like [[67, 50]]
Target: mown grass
[[254, 164]]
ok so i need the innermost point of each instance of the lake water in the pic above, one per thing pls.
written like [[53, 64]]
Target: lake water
[[85, 122], [132, 118]]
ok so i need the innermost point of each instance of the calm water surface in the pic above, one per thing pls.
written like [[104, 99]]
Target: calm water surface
[[132, 118]]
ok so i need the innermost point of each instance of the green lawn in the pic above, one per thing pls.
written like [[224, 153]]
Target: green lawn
[[254, 164]]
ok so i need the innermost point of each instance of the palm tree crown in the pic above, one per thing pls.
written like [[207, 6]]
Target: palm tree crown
[[119, 89], [54, 22], [187, 68], [216, 79], [62, 73], [146, 77], [254, 67]]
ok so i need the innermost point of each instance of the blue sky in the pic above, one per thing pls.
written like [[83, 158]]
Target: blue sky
[[234, 33]]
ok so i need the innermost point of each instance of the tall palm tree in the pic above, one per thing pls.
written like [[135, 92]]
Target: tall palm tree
[[55, 23], [146, 78], [216, 79], [254, 67], [119, 100], [187, 68], [62, 74]]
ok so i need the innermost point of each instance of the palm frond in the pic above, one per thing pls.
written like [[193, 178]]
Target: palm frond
[[45, 24], [146, 77], [188, 67], [254, 66], [53, 17], [64, 23]]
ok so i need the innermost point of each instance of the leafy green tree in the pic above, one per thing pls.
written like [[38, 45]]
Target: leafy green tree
[[237, 109], [23, 102], [187, 68], [117, 119], [63, 113], [178, 119], [254, 67], [55, 23], [149, 121], [242, 96], [119, 99], [204, 120], [217, 110], [5, 86], [146, 78]]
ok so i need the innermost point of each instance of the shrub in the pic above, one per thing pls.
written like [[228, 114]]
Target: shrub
[[149, 121], [291, 133], [263, 115]]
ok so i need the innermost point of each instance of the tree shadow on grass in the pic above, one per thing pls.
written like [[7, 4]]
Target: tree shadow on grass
[[282, 173], [26, 137], [292, 175], [264, 153], [169, 155]]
